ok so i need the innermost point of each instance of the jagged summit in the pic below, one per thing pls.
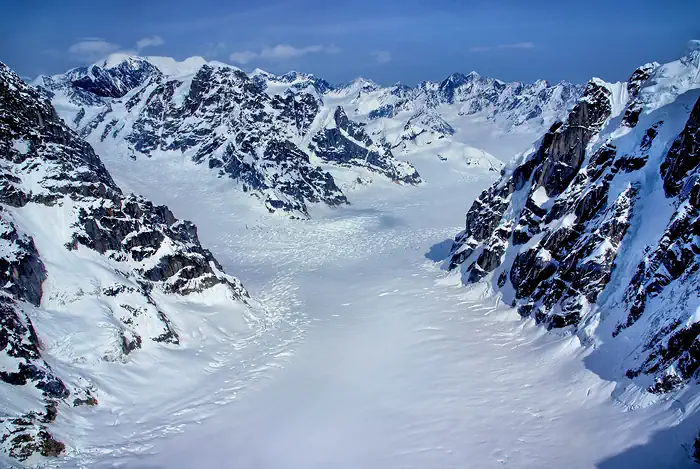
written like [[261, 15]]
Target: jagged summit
[[245, 127]]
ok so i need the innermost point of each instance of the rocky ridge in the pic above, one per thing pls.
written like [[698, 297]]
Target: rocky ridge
[[221, 117], [596, 228]]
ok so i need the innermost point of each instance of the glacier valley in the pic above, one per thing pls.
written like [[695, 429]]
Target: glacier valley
[[366, 326]]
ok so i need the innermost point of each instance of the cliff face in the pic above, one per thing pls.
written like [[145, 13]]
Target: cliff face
[[596, 228]]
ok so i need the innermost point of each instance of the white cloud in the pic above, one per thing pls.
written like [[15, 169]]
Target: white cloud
[[517, 45], [285, 52], [214, 49], [381, 56], [242, 57], [92, 48], [280, 52], [151, 41]]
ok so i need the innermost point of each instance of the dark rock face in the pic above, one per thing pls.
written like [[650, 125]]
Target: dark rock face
[[574, 233], [567, 150], [597, 230], [674, 260], [347, 144], [23, 273], [638, 78], [680, 168], [297, 110], [44, 163], [566, 265], [560, 218], [113, 82]]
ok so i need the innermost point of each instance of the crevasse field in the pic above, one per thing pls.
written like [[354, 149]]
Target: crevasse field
[[364, 352]]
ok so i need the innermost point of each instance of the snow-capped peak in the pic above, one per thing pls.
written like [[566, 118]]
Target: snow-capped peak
[[116, 59], [668, 81], [173, 68], [261, 72], [362, 84]]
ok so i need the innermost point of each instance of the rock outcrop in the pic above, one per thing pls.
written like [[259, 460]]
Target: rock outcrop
[[346, 143]]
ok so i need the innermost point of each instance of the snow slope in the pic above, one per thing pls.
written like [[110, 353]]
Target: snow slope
[[101, 291]]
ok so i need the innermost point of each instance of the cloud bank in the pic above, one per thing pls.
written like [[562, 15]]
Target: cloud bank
[[517, 45], [280, 52], [92, 49]]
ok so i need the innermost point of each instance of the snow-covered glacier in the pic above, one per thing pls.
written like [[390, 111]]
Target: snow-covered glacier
[[556, 330]]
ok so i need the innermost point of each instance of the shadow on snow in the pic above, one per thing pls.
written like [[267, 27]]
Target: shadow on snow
[[440, 251]]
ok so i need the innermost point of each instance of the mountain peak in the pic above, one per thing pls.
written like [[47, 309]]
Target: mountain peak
[[118, 58]]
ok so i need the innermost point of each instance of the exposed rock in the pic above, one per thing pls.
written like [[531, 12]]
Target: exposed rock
[[635, 83], [225, 119], [113, 81], [563, 225], [346, 143]]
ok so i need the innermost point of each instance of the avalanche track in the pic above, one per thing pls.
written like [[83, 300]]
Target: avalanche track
[[376, 358]]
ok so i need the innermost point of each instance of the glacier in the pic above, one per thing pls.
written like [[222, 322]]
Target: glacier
[[359, 339]]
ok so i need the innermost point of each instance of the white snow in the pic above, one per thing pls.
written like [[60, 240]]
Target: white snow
[[540, 196], [379, 358], [367, 354], [20, 145], [174, 69]]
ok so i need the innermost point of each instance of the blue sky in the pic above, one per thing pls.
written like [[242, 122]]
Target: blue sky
[[388, 41]]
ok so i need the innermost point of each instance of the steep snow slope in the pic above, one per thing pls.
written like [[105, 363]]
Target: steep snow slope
[[596, 229], [99, 289]]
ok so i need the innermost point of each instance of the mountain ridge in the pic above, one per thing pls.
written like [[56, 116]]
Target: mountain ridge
[[595, 230]]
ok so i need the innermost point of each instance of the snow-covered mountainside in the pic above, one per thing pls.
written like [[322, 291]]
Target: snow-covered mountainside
[[294, 139], [90, 276], [217, 115], [458, 108], [597, 229]]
